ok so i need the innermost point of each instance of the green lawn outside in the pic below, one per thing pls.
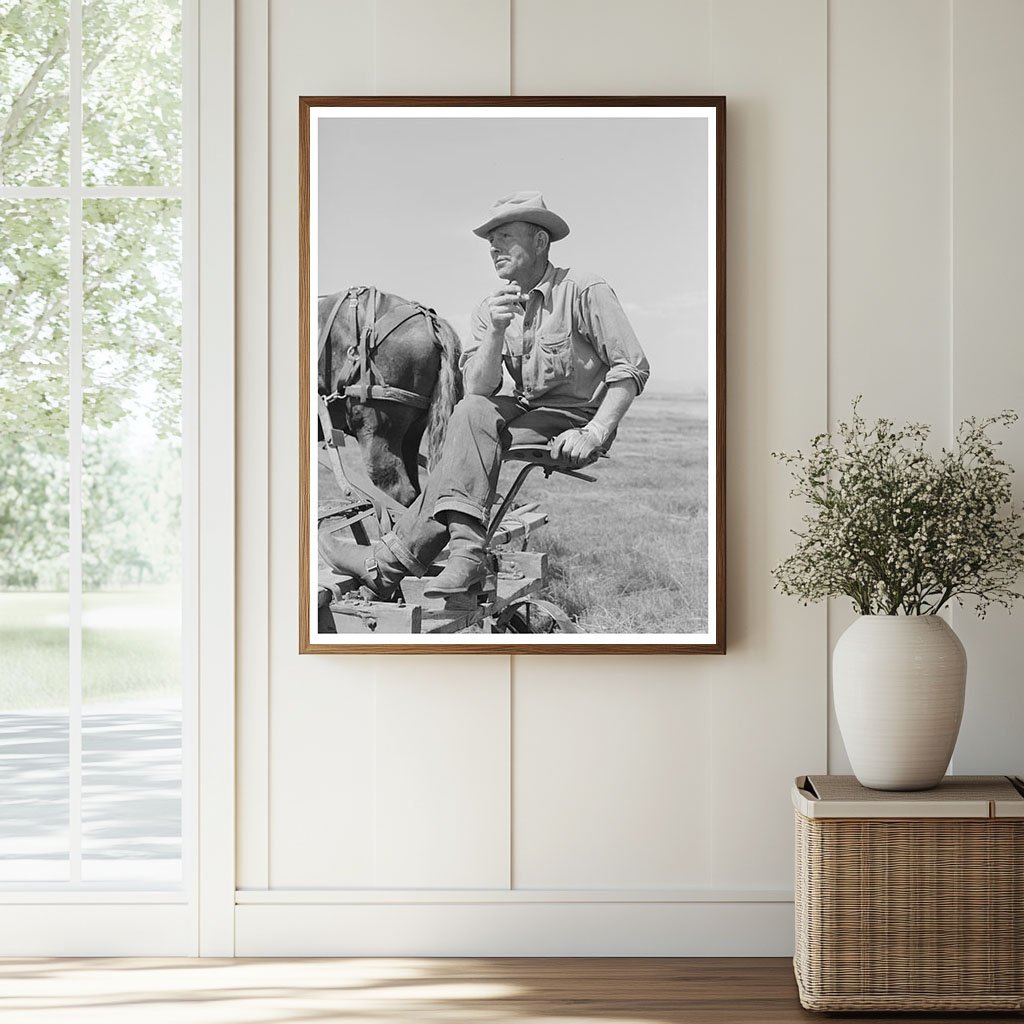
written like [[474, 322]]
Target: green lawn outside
[[130, 647]]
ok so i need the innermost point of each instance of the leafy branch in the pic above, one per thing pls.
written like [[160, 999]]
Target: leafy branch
[[13, 130]]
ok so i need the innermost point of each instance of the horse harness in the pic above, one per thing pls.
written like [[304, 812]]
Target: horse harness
[[357, 504], [370, 384]]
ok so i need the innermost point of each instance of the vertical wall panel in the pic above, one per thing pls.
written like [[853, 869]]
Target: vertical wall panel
[[988, 368], [323, 777], [443, 47], [442, 725], [325, 720], [321, 708], [612, 783], [576, 47], [611, 755], [769, 693], [889, 251], [252, 693], [442, 776], [889, 209]]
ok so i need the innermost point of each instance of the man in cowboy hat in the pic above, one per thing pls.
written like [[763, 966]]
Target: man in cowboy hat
[[575, 365]]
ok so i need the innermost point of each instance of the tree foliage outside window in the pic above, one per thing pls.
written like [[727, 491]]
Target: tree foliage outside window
[[33, 92], [131, 92], [131, 309], [34, 389]]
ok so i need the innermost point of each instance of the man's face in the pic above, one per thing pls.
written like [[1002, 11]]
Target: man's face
[[515, 250]]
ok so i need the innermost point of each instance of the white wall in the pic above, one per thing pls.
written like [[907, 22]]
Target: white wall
[[543, 805]]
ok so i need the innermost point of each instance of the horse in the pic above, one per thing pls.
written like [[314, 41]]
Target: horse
[[389, 371]]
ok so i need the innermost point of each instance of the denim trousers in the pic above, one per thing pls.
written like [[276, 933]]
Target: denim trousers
[[480, 430]]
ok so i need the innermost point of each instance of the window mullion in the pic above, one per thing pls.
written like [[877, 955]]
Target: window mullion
[[94, 191], [75, 303]]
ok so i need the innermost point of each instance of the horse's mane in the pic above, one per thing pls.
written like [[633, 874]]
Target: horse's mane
[[447, 391]]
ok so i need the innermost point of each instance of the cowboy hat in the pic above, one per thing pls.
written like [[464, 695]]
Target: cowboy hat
[[527, 206]]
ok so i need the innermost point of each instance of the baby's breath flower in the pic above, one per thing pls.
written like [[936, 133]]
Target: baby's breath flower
[[900, 530]]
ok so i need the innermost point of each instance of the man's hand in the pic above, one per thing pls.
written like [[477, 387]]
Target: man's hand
[[504, 304], [577, 446]]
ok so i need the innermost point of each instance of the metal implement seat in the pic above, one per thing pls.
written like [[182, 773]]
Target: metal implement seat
[[535, 456]]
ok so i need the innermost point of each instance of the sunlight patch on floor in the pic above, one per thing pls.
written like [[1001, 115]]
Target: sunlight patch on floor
[[218, 991]]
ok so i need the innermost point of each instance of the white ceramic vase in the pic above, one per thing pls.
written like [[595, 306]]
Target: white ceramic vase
[[898, 683]]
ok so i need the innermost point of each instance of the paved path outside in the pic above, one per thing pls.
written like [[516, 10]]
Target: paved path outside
[[131, 791]]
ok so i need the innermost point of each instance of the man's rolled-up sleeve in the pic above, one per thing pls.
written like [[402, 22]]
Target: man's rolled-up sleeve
[[478, 327], [611, 334]]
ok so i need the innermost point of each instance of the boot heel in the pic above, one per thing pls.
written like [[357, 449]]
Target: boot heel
[[479, 594], [485, 590]]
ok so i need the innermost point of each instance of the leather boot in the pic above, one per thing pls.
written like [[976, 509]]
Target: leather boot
[[468, 564], [375, 567]]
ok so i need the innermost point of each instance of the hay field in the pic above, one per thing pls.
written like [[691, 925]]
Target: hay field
[[628, 554]]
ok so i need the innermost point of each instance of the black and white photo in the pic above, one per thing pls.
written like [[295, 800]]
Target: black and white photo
[[511, 375]]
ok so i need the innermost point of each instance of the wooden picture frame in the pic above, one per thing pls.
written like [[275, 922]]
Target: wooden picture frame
[[393, 192]]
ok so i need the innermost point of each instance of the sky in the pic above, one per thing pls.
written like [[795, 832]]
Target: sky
[[399, 197]]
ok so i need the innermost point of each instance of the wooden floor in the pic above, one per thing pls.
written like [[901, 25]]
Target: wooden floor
[[413, 991]]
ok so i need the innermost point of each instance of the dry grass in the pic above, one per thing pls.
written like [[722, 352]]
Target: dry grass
[[629, 553]]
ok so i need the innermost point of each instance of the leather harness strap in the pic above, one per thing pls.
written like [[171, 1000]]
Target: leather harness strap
[[357, 496], [368, 340], [371, 338], [325, 333], [364, 339]]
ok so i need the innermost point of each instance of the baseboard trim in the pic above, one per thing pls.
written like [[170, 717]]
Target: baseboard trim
[[97, 930], [349, 897], [520, 928]]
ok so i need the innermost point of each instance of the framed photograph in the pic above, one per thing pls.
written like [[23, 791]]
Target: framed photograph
[[512, 375]]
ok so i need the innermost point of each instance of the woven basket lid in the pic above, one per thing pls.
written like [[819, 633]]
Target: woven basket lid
[[957, 796]]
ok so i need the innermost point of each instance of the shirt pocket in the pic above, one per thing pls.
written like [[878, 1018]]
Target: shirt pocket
[[553, 356]]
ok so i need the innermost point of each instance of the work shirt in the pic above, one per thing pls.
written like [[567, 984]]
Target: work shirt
[[572, 340]]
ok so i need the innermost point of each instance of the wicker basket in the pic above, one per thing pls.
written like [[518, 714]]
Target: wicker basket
[[910, 901]]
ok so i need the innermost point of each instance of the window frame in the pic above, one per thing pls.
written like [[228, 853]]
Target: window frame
[[75, 918]]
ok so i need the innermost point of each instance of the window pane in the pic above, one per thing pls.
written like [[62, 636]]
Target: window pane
[[33, 540], [131, 772], [33, 92], [131, 541], [131, 92]]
